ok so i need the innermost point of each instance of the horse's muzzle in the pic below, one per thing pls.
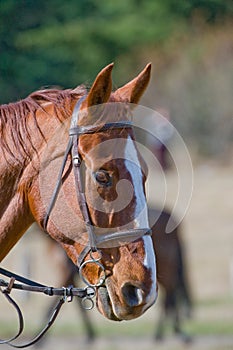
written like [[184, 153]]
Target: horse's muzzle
[[131, 302]]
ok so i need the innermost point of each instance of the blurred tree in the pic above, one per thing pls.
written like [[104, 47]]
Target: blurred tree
[[65, 43]]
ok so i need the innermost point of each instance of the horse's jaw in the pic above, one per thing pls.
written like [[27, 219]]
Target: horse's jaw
[[110, 305]]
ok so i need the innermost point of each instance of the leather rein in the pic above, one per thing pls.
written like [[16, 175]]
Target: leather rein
[[67, 293], [94, 242]]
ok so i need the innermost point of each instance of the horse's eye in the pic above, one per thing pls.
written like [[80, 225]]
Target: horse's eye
[[103, 178]]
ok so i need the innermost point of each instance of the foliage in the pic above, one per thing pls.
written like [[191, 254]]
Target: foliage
[[65, 43]]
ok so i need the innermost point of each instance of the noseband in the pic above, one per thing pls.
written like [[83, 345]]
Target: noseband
[[94, 241]]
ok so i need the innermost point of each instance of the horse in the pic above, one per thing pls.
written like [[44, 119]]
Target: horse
[[172, 278], [171, 273], [69, 162]]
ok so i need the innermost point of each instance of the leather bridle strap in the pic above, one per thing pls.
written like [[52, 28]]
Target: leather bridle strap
[[32, 286], [74, 133], [59, 178], [57, 186]]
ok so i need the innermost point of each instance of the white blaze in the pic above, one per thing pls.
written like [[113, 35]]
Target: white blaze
[[150, 263], [134, 168]]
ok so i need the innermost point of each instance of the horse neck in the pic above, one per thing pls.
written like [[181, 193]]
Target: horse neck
[[16, 176], [15, 216]]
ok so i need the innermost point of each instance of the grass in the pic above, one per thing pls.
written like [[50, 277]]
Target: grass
[[212, 327]]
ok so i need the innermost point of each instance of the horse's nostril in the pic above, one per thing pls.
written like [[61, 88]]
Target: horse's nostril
[[133, 295]]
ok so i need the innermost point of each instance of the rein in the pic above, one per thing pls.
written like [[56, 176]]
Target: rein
[[67, 293], [94, 242]]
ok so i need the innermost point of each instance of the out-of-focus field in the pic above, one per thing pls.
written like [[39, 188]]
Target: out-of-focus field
[[208, 234]]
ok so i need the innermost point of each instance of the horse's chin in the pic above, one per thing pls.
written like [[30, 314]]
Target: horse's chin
[[104, 304]]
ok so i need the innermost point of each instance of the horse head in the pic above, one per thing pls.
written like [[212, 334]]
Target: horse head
[[113, 175]]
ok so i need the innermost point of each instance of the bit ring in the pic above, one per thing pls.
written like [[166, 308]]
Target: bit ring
[[85, 280]]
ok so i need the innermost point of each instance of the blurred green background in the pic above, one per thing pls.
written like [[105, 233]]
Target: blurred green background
[[65, 43]]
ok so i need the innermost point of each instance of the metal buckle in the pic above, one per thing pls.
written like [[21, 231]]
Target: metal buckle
[[87, 302], [67, 295], [9, 287]]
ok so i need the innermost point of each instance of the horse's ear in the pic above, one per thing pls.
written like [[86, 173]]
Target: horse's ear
[[101, 88], [133, 90]]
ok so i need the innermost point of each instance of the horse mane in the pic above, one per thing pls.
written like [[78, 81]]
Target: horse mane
[[14, 116]]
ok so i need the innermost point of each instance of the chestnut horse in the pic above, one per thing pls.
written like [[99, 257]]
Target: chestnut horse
[[108, 241]]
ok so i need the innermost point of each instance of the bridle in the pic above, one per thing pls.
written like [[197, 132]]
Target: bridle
[[94, 241]]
